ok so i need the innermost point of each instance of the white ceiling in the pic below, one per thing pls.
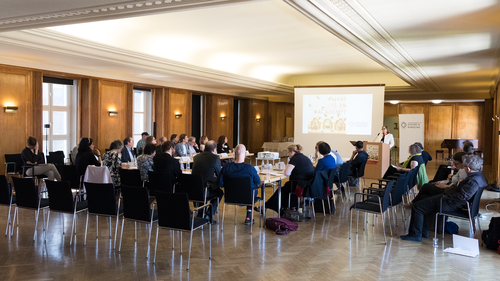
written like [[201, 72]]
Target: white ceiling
[[436, 49]]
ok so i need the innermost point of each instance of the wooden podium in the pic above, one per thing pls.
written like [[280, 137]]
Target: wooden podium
[[379, 159]]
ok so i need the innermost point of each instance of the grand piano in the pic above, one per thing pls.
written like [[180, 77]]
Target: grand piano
[[456, 143]]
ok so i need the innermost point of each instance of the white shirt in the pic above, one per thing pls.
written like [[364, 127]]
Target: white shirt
[[388, 139], [458, 177]]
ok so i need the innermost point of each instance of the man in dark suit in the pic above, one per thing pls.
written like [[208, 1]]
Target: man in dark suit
[[208, 165], [165, 163], [128, 153]]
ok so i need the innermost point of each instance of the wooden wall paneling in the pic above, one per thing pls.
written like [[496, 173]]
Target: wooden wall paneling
[[257, 131], [84, 111], [487, 131], [112, 96], [37, 117], [469, 122], [129, 111], [289, 112], [411, 108], [439, 127], [215, 106], [244, 130], [390, 110], [15, 90], [159, 114], [179, 101]]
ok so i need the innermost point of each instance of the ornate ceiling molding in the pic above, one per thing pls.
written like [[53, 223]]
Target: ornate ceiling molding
[[74, 47], [349, 21], [105, 12]]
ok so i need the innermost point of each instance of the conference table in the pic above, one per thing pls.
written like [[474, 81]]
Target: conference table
[[221, 156], [456, 143], [273, 177]]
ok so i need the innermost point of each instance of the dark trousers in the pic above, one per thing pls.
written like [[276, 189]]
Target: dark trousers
[[423, 211], [390, 172], [428, 190], [272, 203], [214, 194]]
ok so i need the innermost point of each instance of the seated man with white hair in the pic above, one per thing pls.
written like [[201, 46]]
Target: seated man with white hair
[[454, 199], [239, 169]]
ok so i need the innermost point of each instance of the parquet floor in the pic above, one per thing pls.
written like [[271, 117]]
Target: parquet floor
[[319, 250]]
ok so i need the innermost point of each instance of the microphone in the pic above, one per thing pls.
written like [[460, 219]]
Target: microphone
[[376, 137]]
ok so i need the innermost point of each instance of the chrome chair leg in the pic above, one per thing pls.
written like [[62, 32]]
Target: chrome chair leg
[[156, 243], [121, 235], [86, 227]]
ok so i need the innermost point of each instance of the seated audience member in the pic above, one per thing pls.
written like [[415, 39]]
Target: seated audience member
[[145, 161], [174, 139], [208, 165], [128, 153], [203, 141], [454, 199], [74, 152], [193, 146], [112, 160], [413, 161], [239, 169], [87, 155], [300, 170], [142, 142], [358, 157], [166, 163], [222, 146], [327, 162], [182, 147], [425, 155], [468, 147], [151, 140], [160, 141], [31, 156], [435, 188]]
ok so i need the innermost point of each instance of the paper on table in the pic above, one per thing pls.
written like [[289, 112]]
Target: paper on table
[[464, 246]]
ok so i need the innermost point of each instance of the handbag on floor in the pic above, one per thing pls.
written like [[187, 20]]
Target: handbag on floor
[[292, 215], [281, 226]]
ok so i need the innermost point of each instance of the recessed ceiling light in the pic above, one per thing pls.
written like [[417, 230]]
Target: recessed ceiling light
[[394, 102], [436, 101]]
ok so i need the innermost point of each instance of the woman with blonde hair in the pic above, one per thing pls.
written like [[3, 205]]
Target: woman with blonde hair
[[300, 170]]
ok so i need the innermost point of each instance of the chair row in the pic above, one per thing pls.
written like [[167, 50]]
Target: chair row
[[173, 211]]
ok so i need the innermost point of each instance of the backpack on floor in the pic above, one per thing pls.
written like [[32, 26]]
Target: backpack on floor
[[491, 236]]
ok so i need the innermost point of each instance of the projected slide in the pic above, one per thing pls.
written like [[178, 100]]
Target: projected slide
[[349, 114]]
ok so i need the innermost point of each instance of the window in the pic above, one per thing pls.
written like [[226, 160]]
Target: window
[[142, 114], [59, 117]]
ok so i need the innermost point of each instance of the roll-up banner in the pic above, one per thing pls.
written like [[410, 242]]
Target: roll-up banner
[[411, 130]]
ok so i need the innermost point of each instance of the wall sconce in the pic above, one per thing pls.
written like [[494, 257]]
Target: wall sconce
[[178, 115], [257, 118], [10, 109], [113, 113], [222, 117]]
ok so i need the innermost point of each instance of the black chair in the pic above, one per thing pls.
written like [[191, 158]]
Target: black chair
[[131, 177], [13, 164], [174, 213], [28, 196], [70, 173], [196, 191], [470, 214], [159, 181], [238, 192], [56, 157], [343, 178], [37, 178], [360, 174], [61, 200], [7, 199], [102, 202], [396, 196], [366, 206], [136, 207]]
